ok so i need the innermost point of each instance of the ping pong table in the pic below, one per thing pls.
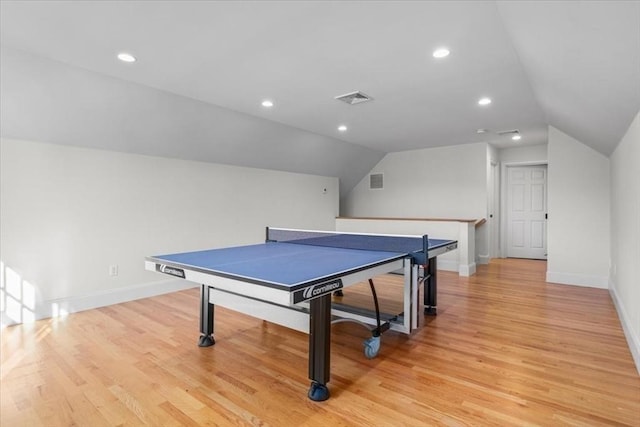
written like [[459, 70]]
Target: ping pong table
[[290, 280]]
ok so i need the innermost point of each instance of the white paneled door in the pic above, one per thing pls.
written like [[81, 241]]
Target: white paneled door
[[527, 212]]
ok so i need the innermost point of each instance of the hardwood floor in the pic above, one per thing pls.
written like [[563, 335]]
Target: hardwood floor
[[506, 349]]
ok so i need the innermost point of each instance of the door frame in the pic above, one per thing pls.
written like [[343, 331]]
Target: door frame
[[504, 194], [494, 209]]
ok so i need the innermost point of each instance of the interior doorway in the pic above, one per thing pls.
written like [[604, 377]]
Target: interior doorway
[[525, 212]]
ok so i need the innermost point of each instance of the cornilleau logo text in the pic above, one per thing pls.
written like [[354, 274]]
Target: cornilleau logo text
[[178, 272], [317, 290], [314, 291]]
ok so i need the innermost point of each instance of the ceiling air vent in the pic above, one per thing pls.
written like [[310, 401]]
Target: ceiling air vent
[[509, 132], [376, 181], [354, 98]]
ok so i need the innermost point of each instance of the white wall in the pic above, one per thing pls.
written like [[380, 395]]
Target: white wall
[[578, 206], [525, 153], [48, 101], [444, 182], [625, 235], [67, 214]]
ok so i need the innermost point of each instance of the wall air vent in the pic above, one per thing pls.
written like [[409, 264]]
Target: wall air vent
[[509, 132], [353, 98], [376, 181]]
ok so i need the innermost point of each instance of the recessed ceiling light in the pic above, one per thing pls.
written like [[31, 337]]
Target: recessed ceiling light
[[267, 103], [482, 131], [484, 101], [516, 137], [441, 52], [342, 128], [126, 57]]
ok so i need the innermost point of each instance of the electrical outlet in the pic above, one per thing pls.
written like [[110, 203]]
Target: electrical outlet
[[113, 270]]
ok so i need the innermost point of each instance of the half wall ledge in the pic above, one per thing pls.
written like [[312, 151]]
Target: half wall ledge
[[462, 230]]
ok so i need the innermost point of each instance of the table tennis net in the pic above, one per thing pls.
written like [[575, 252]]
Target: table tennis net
[[371, 242]]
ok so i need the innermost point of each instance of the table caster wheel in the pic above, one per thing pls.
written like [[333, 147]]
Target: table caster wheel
[[206, 341], [371, 347], [318, 392]]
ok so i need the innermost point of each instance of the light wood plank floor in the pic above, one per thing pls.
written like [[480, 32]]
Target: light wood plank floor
[[506, 349]]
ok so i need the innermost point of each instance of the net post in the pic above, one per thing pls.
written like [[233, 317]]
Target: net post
[[425, 246]]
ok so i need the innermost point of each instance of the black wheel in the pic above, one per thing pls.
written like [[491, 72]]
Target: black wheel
[[206, 341]]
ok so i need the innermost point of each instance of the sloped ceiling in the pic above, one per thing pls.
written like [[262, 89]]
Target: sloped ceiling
[[48, 101], [582, 60], [574, 65]]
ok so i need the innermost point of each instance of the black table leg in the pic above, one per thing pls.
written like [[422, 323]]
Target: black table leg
[[206, 318], [319, 347], [431, 288]]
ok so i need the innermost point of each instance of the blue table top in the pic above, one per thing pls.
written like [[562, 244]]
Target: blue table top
[[283, 265], [291, 259]]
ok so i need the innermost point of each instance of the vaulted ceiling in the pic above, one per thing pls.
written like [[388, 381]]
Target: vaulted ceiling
[[570, 64]]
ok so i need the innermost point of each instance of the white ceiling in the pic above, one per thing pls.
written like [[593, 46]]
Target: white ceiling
[[574, 65]]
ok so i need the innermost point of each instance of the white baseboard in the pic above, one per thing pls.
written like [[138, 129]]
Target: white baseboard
[[483, 259], [578, 279], [467, 270], [447, 265], [633, 340], [74, 304]]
